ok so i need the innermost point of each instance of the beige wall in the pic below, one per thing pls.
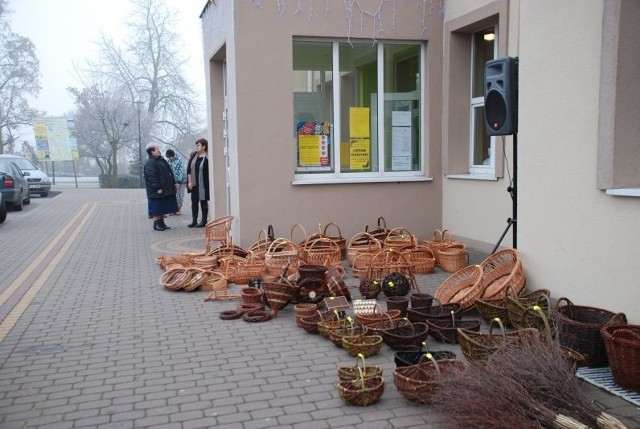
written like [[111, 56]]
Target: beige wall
[[262, 147], [575, 239]]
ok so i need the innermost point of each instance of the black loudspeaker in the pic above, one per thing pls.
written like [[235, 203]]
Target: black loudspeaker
[[501, 96]]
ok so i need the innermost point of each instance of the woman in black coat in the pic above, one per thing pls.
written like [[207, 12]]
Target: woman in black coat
[[160, 186], [198, 183]]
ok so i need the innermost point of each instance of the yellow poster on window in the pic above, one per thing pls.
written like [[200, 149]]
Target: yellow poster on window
[[359, 122], [313, 150], [359, 154]]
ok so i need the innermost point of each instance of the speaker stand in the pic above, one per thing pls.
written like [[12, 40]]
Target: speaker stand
[[513, 191]]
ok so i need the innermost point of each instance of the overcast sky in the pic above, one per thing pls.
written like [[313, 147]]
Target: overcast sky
[[65, 33]]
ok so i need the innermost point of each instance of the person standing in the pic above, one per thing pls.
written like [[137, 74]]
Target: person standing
[[180, 174], [198, 182], [160, 185]]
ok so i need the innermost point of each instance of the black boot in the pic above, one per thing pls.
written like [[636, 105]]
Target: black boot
[[204, 206], [194, 211], [157, 226], [194, 222], [162, 224]]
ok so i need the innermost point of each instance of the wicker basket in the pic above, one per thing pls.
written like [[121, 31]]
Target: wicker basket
[[623, 350], [405, 335], [439, 240], [350, 329], [362, 243], [246, 269], [326, 326], [363, 391], [579, 329], [413, 357], [366, 344], [381, 232], [453, 257], [281, 253], [462, 287], [265, 238], [361, 264], [322, 251], [304, 310], [338, 239], [399, 239], [422, 259], [398, 303], [434, 312], [502, 272], [175, 278], [278, 295], [377, 317], [446, 330], [205, 262], [521, 317], [420, 300], [418, 383], [391, 261], [360, 369], [251, 295], [477, 346]]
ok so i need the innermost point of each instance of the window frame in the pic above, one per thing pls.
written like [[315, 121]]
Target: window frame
[[337, 176]]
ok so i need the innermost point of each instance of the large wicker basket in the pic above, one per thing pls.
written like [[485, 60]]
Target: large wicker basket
[[322, 251], [453, 257], [477, 346], [623, 350], [421, 258], [338, 239], [360, 369], [439, 240], [579, 329], [399, 239], [502, 271], [362, 391], [405, 335], [281, 253], [278, 295], [362, 243], [462, 287], [418, 383]]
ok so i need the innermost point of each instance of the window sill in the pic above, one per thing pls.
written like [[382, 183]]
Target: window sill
[[624, 192], [348, 180], [472, 177]]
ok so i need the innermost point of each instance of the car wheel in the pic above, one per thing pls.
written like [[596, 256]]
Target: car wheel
[[27, 201], [3, 211]]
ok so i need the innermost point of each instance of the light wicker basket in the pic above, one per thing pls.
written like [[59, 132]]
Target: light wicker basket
[[462, 287]]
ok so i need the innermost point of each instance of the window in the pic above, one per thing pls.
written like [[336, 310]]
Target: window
[[481, 160], [367, 122]]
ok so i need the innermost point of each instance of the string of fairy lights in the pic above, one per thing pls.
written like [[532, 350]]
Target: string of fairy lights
[[353, 8]]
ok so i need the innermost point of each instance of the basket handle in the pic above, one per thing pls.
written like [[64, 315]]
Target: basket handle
[[439, 305], [382, 223], [435, 363], [502, 330], [424, 344], [406, 322], [545, 320], [625, 334], [298, 226], [359, 358], [563, 299], [334, 225], [618, 319]]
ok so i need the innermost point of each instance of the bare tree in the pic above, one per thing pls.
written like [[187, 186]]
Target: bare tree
[[151, 68], [19, 78], [102, 125]]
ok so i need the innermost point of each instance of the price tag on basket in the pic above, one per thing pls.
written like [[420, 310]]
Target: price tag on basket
[[364, 306], [339, 303]]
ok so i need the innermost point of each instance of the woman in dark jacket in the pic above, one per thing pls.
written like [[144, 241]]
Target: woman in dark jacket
[[198, 182], [160, 185]]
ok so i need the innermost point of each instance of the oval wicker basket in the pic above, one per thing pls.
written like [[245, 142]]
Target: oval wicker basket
[[446, 330], [462, 287], [322, 251], [338, 239], [366, 344], [422, 259], [363, 391], [439, 240], [418, 383], [281, 253], [434, 312], [352, 373], [405, 335], [362, 243], [579, 328], [478, 346], [502, 272], [398, 239]]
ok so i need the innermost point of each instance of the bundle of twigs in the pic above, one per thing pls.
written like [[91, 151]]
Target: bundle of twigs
[[541, 367], [483, 397]]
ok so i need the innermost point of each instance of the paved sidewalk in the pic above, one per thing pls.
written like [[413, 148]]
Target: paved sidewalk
[[88, 338]]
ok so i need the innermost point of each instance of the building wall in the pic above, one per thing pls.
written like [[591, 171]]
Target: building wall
[[575, 239], [262, 147]]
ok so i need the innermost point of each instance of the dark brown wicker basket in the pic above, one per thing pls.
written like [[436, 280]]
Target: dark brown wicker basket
[[579, 328], [435, 312], [446, 330], [405, 335], [418, 383], [623, 350]]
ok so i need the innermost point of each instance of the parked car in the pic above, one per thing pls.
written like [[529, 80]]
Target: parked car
[[39, 182], [13, 185], [3, 209]]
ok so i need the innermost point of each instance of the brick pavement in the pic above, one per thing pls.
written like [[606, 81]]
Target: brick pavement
[[100, 344]]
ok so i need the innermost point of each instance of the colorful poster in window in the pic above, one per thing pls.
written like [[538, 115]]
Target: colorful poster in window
[[314, 146], [313, 151], [359, 123], [359, 154]]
